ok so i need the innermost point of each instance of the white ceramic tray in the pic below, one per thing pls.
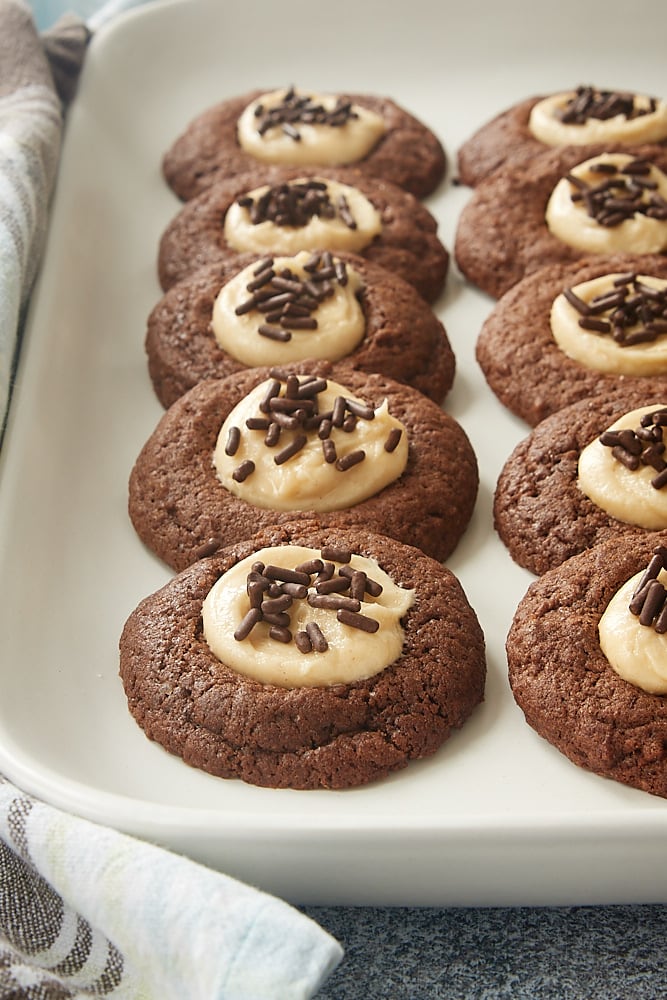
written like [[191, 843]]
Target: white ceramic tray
[[498, 816]]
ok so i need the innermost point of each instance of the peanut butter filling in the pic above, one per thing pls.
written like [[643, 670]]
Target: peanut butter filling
[[302, 214], [613, 203], [624, 471], [616, 323], [590, 115], [291, 127], [633, 628], [290, 308], [303, 443], [296, 617]]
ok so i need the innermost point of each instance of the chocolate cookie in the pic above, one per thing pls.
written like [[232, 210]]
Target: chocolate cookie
[[335, 736], [507, 140], [408, 244], [403, 338], [408, 154], [181, 510], [522, 362], [540, 513], [502, 235], [504, 140], [565, 685]]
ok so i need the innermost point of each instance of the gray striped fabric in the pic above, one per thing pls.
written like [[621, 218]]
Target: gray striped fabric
[[49, 951], [86, 911], [30, 133]]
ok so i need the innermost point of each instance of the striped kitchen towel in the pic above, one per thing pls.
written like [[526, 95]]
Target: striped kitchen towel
[[86, 911], [30, 132]]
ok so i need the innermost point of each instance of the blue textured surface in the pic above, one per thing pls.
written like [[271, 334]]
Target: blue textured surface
[[579, 953], [47, 12]]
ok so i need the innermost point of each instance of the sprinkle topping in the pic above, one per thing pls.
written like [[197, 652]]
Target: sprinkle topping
[[631, 312], [643, 446], [301, 109], [292, 404], [649, 600], [287, 302], [295, 203], [312, 444], [272, 590], [590, 102], [623, 192]]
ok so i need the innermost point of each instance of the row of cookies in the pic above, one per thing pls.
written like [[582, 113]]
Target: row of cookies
[[304, 483], [567, 228]]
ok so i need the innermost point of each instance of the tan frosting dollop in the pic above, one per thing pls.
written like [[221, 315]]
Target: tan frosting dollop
[[636, 652], [340, 319], [601, 352], [318, 144], [623, 493], [306, 481], [545, 124], [319, 233], [570, 222], [352, 654]]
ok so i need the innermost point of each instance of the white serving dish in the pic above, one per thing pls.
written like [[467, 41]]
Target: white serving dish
[[498, 816]]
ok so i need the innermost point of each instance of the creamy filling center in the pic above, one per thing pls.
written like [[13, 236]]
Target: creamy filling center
[[632, 630], [623, 476], [291, 127], [290, 308], [321, 634], [616, 323], [308, 444], [612, 203], [588, 115], [302, 214]]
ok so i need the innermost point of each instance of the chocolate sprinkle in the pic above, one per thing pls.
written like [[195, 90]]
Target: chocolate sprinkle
[[649, 600], [291, 449], [336, 554], [333, 602], [329, 451], [643, 446], [280, 634], [356, 620], [242, 471], [317, 639], [233, 441], [303, 643], [349, 460], [394, 436], [248, 622]]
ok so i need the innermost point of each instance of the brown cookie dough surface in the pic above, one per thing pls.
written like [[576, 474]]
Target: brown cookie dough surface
[[407, 246], [180, 508], [304, 737], [403, 339], [541, 515], [505, 140], [564, 684], [408, 154], [521, 361], [502, 235]]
